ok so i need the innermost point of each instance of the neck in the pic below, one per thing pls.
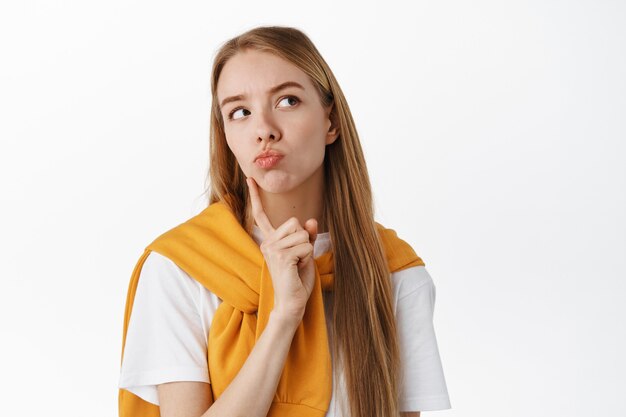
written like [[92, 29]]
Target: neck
[[304, 202]]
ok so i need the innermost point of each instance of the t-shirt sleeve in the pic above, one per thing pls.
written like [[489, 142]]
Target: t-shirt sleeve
[[423, 385], [165, 339]]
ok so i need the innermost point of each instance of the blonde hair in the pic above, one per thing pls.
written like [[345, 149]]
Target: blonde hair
[[363, 320]]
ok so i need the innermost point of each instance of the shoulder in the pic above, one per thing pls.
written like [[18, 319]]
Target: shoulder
[[155, 262], [399, 252], [163, 281], [160, 267], [160, 276], [410, 280]]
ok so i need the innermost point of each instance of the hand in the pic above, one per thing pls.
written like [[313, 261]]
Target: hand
[[288, 252]]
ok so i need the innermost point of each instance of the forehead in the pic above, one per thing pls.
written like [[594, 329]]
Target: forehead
[[255, 72]]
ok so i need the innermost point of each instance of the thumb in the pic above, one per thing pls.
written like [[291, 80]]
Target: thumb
[[311, 227]]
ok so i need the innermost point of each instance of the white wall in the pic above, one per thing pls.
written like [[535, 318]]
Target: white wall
[[495, 139]]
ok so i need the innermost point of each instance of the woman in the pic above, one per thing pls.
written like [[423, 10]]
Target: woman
[[234, 312]]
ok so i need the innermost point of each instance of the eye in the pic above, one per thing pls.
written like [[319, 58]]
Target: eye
[[236, 109], [232, 112], [296, 99]]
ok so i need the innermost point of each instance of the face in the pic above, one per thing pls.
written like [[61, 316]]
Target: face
[[300, 126]]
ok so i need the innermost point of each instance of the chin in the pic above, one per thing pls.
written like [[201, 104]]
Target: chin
[[276, 181]]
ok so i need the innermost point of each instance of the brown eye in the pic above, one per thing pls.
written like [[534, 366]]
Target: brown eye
[[293, 98], [230, 115]]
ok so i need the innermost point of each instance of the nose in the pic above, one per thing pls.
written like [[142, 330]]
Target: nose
[[266, 129]]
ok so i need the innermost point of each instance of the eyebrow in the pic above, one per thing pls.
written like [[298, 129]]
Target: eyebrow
[[270, 91]]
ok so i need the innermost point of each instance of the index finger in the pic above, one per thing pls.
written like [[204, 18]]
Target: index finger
[[257, 208]]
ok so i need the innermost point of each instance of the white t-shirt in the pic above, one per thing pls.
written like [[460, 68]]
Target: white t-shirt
[[167, 333]]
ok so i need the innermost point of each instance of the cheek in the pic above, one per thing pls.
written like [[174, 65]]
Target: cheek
[[236, 148], [309, 131], [309, 150]]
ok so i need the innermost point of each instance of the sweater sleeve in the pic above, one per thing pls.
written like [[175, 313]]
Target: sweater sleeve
[[165, 340], [423, 385]]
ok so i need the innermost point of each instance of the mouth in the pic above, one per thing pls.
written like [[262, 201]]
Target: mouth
[[268, 161]]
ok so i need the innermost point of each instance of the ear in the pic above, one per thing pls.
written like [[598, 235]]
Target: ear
[[333, 130]]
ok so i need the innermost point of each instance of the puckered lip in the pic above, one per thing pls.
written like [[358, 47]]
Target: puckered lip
[[268, 152]]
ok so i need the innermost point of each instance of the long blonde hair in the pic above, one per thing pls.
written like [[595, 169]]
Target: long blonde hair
[[363, 320]]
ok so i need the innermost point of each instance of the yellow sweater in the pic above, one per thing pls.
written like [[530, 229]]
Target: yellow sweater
[[215, 250]]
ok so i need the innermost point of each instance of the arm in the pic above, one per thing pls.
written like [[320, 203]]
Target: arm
[[250, 393], [424, 385], [288, 251]]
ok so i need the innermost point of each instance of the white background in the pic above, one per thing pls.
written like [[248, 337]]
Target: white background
[[495, 139]]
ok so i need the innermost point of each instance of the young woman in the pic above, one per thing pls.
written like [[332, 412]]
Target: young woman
[[284, 297]]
